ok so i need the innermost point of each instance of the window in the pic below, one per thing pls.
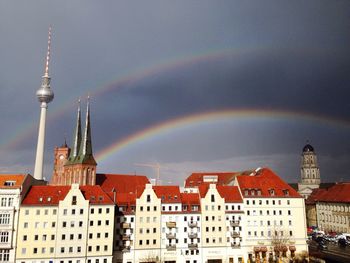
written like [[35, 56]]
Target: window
[[52, 237], [63, 237], [74, 200], [79, 249], [24, 250], [4, 237], [71, 237], [64, 224], [107, 210], [92, 211], [35, 250], [4, 219], [100, 210], [10, 201], [148, 198], [73, 211], [289, 212], [3, 201]]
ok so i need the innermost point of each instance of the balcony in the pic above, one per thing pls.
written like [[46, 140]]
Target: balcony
[[235, 245], [192, 235], [235, 234], [192, 224], [170, 236], [126, 237], [234, 223], [170, 224], [192, 246], [126, 249], [171, 247], [126, 225]]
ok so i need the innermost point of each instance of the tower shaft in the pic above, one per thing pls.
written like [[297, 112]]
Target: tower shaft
[[39, 159]]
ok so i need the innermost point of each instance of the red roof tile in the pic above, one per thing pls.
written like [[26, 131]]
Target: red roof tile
[[196, 179], [190, 198], [121, 183], [264, 180], [17, 180], [231, 194], [338, 193], [51, 195], [168, 193]]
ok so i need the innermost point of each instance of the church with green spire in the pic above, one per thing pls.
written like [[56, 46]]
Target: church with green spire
[[76, 164]]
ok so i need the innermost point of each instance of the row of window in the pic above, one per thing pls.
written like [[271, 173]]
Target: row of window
[[65, 211], [65, 237], [71, 261], [274, 212], [63, 250], [269, 233], [4, 219], [268, 222], [267, 202]]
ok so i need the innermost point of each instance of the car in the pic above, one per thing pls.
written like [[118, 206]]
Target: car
[[342, 242]]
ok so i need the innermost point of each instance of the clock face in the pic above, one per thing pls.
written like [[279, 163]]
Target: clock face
[[61, 157]]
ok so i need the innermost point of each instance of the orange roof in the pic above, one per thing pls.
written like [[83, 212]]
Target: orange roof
[[11, 180], [196, 179], [190, 198], [265, 180], [315, 195], [338, 193], [231, 194], [168, 193], [52, 194], [121, 183]]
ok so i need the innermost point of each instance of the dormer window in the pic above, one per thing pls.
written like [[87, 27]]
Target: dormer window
[[252, 192], [246, 192], [100, 198], [92, 198], [259, 192], [49, 199], [272, 192], [286, 192], [9, 183], [40, 199]]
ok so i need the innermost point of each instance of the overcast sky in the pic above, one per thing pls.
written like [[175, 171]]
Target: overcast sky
[[149, 62]]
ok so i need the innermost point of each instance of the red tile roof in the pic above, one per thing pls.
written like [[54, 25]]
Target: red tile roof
[[190, 199], [265, 180], [17, 179], [51, 195], [196, 179], [315, 195], [338, 193], [121, 183], [231, 194], [168, 193]]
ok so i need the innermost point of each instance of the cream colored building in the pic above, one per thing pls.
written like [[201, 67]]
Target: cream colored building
[[12, 188], [65, 224]]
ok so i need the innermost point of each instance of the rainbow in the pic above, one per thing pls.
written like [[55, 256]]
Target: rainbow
[[207, 117], [29, 129]]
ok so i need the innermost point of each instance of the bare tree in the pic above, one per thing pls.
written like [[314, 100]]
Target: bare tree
[[151, 257]]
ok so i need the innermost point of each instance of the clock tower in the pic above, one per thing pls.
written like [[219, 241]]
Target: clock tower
[[61, 156]]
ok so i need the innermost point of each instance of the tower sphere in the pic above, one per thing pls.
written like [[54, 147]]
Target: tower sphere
[[45, 94]]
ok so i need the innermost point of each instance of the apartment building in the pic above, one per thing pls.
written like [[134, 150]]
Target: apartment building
[[65, 224], [12, 188]]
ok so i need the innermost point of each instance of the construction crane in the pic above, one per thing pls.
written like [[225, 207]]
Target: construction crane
[[152, 165]]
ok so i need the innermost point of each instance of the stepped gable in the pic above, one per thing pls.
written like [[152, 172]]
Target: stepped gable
[[197, 179], [168, 193], [17, 180], [338, 193], [121, 183], [231, 194], [265, 180], [52, 194]]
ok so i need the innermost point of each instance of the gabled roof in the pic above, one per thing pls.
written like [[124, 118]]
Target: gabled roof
[[315, 195], [15, 179], [190, 199], [168, 193], [52, 194], [121, 183], [338, 193], [197, 179], [264, 180]]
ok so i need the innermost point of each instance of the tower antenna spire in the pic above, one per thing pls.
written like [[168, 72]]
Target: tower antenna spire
[[48, 54]]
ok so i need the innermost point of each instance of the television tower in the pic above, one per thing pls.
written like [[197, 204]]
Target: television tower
[[44, 95]]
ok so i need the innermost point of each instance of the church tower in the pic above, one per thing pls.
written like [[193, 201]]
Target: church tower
[[77, 165], [310, 172]]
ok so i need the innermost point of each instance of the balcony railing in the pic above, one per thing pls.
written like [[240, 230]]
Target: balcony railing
[[235, 234], [126, 237], [192, 235], [235, 245], [126, 225], [192, 246], [170, 236], [192, 224], [171, 247], [234, 223], [171, 224], [125, 248]]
